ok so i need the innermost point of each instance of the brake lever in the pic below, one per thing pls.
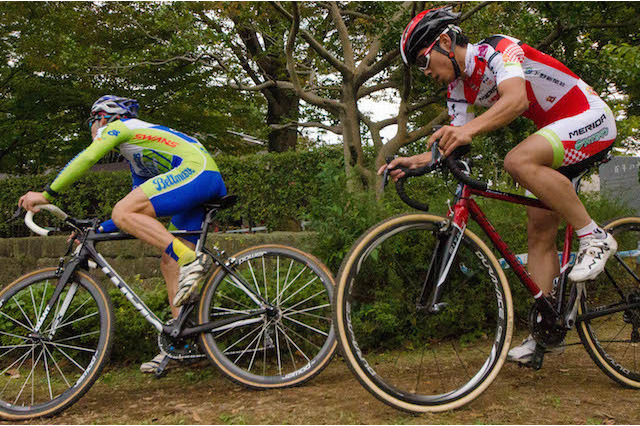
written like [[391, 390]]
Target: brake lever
[[385, 174], [16, 215]]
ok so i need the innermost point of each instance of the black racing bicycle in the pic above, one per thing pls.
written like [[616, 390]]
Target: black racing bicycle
[[424, 313], [263, 317]]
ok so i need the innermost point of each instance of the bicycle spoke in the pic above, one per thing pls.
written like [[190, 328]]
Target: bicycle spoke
[[46, 369], [294, 344], [305, 325], [264, 277], [293, 359], [74, 321], [15, 321], [57, 366], [14, 335], [44, 296], [27, 379], [258, 328], [284, 282], [300, 336], [278, 354], [234, 301], [306, 300], [23, 313], [247, 347], [289, 285], [253, 356], [78, 336], [300, 289], [25, 355], [453, 345], [69, 358], [78, 348], [255, 281], [305, 313]]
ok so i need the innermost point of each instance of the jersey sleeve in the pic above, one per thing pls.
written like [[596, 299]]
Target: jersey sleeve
[[112, 135], [506, 61]]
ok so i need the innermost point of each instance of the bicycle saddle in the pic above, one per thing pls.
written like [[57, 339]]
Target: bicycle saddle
[[221, 203]]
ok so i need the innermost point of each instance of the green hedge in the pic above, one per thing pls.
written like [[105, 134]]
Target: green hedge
[[274, 189]]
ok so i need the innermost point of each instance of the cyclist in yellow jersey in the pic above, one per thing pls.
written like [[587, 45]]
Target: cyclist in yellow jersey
[[172, 174]]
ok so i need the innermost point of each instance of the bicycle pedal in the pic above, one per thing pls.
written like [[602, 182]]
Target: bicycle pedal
[[161, 370], [536, 360]]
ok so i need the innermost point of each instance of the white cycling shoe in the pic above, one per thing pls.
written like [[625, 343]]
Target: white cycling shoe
[[152, 366], [190, 277], [523, 354], [592, 257]]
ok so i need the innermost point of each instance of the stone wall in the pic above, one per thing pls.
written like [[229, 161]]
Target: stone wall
[[619, 181], [129, 258]]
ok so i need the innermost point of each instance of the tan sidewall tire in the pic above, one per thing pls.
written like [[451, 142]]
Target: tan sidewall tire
[[230, 374], [587, 341], [344, 345], [99, 363]]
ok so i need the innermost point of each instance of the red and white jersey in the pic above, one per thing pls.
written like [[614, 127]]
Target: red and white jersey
[[553, 91]]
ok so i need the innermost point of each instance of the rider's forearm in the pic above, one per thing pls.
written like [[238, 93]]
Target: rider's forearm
[[112, 136]]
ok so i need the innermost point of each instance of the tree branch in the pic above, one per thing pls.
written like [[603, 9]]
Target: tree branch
[[335, 129], [315, 45], [343, 33], [474, 10], [306, 96], [366, 91]]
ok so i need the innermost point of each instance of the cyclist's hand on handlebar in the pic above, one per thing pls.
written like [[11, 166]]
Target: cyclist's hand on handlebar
[[406, 162], [31, 200], [450, 137]]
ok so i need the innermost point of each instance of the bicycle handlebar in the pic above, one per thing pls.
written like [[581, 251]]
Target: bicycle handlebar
[[56, 211], [450, 162]]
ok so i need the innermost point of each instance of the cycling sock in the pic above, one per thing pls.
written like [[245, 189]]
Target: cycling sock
[[591, 230], [180, 252]]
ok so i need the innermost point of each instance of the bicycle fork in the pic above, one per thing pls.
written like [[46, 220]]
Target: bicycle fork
[[449, 239]]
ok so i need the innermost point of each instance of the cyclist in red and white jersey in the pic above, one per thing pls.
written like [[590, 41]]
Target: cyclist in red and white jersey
[[575, 129]]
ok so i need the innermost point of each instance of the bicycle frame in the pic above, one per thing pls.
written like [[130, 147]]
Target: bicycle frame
[[87, 252]]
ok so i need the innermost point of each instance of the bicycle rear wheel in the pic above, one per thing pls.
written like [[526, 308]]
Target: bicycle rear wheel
[[612, 339], [407, 357], [43, 373], [290, 345]]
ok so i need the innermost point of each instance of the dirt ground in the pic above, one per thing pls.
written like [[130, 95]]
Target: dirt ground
[[568, 389]]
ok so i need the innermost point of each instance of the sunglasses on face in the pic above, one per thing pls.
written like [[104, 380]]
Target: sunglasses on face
[[422, 61], [96, 117]]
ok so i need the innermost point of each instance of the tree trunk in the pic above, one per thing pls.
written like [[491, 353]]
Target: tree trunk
[[283, 109]]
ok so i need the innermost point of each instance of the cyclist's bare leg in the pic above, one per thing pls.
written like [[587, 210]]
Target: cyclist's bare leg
[[135, 215], [529, 163], [542, 262]]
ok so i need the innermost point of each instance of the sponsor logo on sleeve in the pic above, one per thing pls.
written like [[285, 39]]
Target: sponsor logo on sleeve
[[113, 132]]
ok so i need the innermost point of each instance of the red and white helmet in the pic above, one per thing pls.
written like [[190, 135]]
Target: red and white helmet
[[424, 30]]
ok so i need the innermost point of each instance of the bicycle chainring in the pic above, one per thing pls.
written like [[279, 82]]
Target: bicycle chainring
[[543, 329], [179, 348]]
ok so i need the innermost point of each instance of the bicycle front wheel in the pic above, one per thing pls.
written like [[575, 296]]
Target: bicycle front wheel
[[609, 332], [285, 347], [408, 357], [43, 372]]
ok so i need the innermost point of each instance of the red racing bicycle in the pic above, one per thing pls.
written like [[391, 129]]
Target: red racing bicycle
[[424, 312]]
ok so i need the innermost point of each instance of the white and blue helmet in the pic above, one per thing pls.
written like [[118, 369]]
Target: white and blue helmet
[[110, 106]]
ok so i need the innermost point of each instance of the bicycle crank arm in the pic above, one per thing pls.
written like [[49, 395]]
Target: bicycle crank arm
[[570, 319]]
